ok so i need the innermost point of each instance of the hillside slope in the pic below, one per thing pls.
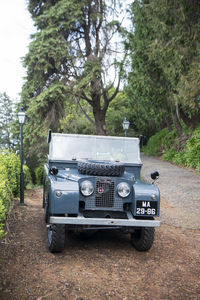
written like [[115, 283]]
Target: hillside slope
[[182, 150]]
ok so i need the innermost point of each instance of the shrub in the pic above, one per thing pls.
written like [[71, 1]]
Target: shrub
[[12, 163], [192, 151], [169, 155], [160, 142], [27, 176], [39, 172], [5, 196], [9, 182], [173, 149]]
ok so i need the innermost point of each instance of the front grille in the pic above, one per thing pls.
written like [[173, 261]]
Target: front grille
[[104, 197], [105, 192]]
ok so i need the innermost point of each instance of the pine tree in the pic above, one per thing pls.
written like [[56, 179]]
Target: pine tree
[[69, 57], [6, 119]]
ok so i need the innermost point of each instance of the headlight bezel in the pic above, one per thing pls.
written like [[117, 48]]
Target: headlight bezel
[[123, 189], [86, 188]]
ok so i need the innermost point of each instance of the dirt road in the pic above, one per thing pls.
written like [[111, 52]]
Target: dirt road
[[104, 267]]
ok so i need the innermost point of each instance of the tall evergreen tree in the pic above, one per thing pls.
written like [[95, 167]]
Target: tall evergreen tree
[[165, 58], [6, 119], [70, 56]]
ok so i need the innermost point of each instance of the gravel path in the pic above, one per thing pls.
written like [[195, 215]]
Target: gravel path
[[180, 192], [104, 267]]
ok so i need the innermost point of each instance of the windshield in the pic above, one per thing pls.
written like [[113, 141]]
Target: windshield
[[87, 147]]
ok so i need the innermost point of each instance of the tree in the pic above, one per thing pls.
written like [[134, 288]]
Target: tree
[[70, 56], [165, 59], [147, 88], [119, 108], [6, 119]]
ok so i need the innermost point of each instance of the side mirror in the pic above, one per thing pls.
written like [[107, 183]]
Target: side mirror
[[154, 175], [53, 170]]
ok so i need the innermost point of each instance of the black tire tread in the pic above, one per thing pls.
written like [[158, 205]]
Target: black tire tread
[[101, 169], [145, 240], [58, 238]]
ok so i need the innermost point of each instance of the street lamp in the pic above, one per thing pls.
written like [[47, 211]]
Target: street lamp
[[21, 118], [125, 125]]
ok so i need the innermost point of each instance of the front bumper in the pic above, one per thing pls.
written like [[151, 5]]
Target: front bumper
[[81, 220]]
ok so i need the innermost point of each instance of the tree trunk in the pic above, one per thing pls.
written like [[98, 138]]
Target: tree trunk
[[100, 121], [175, 119], [190, 122], [167, 121]]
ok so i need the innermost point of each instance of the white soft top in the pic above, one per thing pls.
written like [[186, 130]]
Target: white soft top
[[94, 147]]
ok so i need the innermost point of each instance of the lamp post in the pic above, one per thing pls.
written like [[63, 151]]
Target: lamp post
[[125, 125], [21, 118]]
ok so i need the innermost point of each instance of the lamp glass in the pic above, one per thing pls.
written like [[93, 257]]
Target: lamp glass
[[21, 117], [126, 124]]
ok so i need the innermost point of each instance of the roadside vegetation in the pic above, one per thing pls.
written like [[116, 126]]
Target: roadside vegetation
[[183, 150], [10, 183]]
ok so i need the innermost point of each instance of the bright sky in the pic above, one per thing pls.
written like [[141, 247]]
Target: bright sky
[[16, 26]]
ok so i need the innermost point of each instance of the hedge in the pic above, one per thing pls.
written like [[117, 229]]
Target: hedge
[[39, 173], [9, 183]]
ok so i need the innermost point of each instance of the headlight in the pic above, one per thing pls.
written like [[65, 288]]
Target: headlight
[[87, 188], [123, 189]]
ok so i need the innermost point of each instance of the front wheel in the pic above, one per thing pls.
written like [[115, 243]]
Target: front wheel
[[46, 213], [142, 238], [56, 237]]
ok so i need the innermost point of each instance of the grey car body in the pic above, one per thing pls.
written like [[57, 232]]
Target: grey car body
[[93, 183]]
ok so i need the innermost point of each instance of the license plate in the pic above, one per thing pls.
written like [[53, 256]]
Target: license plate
[[146, 208]]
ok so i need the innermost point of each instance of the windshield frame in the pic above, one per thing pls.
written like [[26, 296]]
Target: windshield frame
[[127, 142]]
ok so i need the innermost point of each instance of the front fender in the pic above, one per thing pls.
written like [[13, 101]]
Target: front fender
[[68, 202], [146, 192]]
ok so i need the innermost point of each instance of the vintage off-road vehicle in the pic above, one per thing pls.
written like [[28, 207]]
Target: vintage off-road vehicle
[[93, 183]]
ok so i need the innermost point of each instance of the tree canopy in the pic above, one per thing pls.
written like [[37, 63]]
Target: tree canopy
[[164, 50], [6, 120], [69, 86], [70, 56]]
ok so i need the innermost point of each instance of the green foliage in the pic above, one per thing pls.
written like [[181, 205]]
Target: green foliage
[[160, 142], [6, 120], [75, 120], [12, 164], [39, 173], [68, 59], [166, 144], [164, 54], [118, 109], [8, 185], [5, 196], [2, 215], [192, 150], [170, 155], [9, 182], [27, 176]]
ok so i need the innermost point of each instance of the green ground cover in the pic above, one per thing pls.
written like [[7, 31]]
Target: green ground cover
[[183, 150]]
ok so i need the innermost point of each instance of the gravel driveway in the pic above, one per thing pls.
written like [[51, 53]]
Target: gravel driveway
[[180, 192], [106, 266]]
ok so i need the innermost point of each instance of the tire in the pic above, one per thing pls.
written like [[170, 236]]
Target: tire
[[46, 213], [100, 169], [142, 238], [56, 238]]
